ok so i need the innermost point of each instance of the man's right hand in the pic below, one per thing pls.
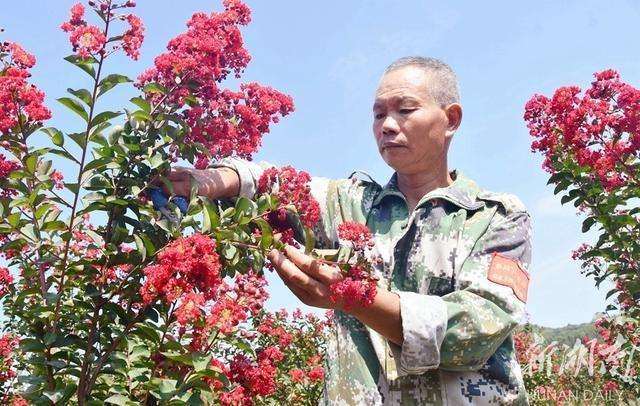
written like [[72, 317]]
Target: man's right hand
[[212, 183]]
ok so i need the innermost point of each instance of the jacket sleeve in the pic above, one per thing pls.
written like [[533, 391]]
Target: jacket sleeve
[[462, 329], [248, 173]]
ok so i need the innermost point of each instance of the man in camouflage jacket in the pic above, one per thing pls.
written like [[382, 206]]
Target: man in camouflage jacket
[[453, 276]]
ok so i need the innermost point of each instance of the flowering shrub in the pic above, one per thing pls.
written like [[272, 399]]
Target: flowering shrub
[[108, 300], [591, 144]]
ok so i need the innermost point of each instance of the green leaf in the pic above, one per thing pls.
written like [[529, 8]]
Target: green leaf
[[80, 139], [74, 106], [244, 346], [31, 162], [556, 177], [211, 219], [31, 345], [200, 361], [97, 163], [154, 88], [166, 387], [267, 233], [148, 244], [29, 231], [56, 136], [111, 81], [104, 116], [44, 166], [155, 160], [119, 400], [86, 64], [566, 199], [65, 154], [82, 94], [561, 186], [141, 115], [142, 103], [42, 209], [54, 226], [73, 187], [245, 210], [140, 246], [586, 225], [49, 338], [14, 219], [309, 240], [229, 251]]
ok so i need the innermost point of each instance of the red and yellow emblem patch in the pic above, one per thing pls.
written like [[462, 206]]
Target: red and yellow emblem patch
[[509, 272]]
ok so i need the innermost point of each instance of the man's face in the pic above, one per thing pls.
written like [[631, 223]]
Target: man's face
[[409, 126]]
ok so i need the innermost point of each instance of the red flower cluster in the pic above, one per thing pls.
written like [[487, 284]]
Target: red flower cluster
[[271, 326], [228, 127], [6, 280], [19, 401], [187, 272], [85, 39], [187, 265], [235, 304], [8, 344], [600, 129], [19, 57], [225, 122], [358, 235], [17, 97], [256, 379], [88, 40], [315, 374], [357, 288], [291, 188], [58, 179], [279, 354], [133, 37], [6, 167]]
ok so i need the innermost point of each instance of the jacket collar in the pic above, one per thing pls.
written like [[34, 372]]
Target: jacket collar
[[462, 192]]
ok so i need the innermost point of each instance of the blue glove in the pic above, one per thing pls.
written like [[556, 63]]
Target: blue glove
[[160, 200]]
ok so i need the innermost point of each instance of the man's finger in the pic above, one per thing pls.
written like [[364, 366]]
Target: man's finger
[[290, 273], [301, 294], [178, 173], [323, 272]]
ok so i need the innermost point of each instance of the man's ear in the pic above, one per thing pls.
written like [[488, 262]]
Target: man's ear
[[454, 115]]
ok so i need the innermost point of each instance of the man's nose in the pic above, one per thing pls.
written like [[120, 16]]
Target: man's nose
[[390, 126]]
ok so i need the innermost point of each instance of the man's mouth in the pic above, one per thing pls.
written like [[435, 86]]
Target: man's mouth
[[392, 145]]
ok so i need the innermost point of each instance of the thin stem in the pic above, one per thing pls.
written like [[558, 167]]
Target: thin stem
[[114, 344], [74, 206], [87, 357], [164, 334], [36, 226]]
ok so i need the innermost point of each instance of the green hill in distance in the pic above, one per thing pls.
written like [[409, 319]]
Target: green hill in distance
[[567, 334]]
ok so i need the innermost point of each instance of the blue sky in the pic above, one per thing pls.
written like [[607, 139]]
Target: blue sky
[[329, 56]]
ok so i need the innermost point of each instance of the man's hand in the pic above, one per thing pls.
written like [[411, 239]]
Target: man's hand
[[308, 278], [212, 183]]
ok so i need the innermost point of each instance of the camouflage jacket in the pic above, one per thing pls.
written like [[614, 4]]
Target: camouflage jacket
[[459, 264]]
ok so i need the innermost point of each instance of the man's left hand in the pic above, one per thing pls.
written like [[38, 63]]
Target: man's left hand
[[307, 277]]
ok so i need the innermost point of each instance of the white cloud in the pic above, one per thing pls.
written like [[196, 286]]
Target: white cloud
[[549, 205]]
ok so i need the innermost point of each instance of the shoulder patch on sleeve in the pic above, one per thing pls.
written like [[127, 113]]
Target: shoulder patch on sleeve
[[510, 202], [509, 272]]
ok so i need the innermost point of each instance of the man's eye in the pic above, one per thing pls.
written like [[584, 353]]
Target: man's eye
[[378, 116], [406, 111]]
